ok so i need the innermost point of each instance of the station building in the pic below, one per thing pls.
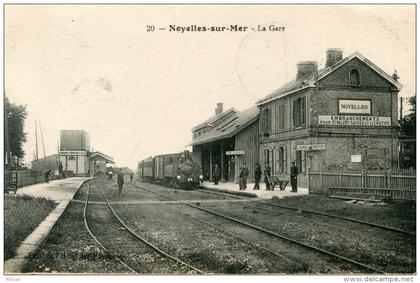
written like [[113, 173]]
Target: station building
[[228, 139], [343, 116]]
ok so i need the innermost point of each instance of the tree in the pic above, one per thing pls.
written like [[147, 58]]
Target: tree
[[408, 136], [15, 119]]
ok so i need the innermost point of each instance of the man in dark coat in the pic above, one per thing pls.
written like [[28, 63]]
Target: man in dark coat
[[131, 176], [120, 181], [257, 176], [267, 176], [47, 176], [242, 177], [216, 174], [293, 176], [60, 170]]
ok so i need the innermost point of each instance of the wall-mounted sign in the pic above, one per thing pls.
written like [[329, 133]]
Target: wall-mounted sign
[[348, 106], [235, 152], [357, 158], [353, 120], [320, 146]]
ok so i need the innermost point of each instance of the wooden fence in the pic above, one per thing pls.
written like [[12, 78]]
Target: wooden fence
[[25, 178], [401, 184]]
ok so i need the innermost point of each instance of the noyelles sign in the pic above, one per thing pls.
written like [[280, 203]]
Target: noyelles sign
[[354, 120], [349, 106]]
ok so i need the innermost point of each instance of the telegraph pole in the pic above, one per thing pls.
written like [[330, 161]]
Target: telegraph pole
[[42, 138]]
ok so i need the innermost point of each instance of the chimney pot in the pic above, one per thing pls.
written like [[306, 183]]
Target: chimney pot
[[306, 67], [333, 56], [219, 108]]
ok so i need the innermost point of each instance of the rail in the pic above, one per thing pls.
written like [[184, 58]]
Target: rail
[[322, 251]]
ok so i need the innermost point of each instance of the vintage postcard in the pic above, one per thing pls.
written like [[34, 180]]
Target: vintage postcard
[[210, 139]]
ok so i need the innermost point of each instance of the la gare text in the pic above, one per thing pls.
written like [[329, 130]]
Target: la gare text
[[229, 28]]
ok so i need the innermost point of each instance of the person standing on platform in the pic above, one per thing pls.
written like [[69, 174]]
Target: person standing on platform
[[120, 181], [47, 176], [267, 176], [216, 174], [293, 176], [242, 177], [60, 170], [257, 176]]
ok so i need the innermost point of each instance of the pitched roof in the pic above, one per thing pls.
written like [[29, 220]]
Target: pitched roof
[[237, 122], [103, 155], [309, 80], [214, 118]]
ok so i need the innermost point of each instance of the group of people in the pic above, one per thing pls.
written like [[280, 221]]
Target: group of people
[[257, 176]]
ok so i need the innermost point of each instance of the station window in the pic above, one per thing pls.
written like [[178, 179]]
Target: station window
[[354, 77], [299, 112], [281, 117], [266, 121], [268, 158], [301, 161], [282, 160]]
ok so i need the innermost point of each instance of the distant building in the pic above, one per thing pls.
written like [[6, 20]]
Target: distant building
[[99, 162], [74, 156], [339, 117], [228, 139], [44, 164]]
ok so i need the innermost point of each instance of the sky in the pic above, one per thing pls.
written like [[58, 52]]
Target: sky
[[139, 93]]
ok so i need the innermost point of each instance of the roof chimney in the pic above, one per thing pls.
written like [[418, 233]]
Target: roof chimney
[[333, 56], [306, 67], [219, 108]]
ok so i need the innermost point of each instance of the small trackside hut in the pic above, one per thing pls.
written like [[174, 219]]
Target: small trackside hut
[[228, 139]]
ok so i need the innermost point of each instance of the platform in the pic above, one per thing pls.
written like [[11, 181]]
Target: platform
[[261, 193]]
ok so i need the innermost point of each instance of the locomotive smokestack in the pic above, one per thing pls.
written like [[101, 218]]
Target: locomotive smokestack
[[219, 108]]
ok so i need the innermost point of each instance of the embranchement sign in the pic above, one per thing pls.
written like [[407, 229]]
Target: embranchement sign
[[354, 120]]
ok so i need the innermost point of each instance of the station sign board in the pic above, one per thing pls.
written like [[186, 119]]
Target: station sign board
[[235, 152], [356, 158], [320, 146], [354, 106], [354, 120]]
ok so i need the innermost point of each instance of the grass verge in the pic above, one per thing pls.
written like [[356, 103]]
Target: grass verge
[[22, 214]]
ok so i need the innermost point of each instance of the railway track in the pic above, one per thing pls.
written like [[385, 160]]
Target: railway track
[[370, 224], [137, 236], [276, 235], [306, 211], [252, 244]]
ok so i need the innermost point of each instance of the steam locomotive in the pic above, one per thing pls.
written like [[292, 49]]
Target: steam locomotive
[[176, 170]]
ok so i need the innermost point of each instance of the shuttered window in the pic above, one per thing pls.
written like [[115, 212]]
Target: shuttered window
[[299, 112], [266, 121], [281, 117], [282, 160], [301, 161]]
